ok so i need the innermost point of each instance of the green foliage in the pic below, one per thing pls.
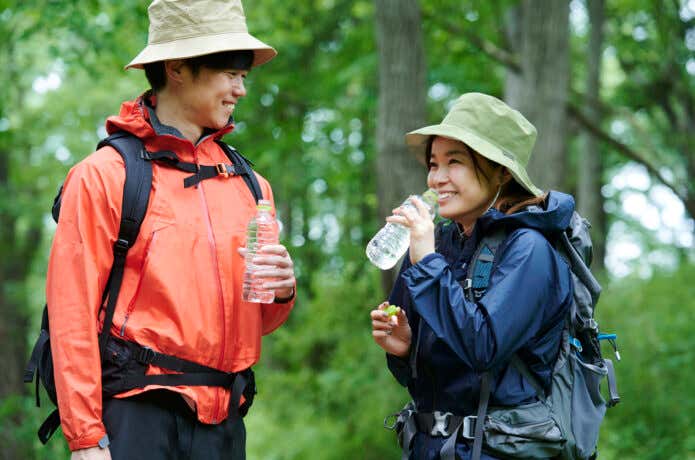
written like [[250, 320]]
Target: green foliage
[[653, 320], [323, 382]]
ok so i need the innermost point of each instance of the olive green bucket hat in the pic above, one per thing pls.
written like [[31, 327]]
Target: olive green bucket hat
[[491, 128], [181, 29]]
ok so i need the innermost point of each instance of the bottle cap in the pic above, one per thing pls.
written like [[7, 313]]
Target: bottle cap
[[264, 205]]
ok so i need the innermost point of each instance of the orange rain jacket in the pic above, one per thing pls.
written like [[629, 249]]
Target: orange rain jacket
[[181, 291]]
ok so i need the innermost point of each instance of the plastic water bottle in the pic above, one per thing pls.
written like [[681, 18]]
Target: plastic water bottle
[[391, 242], [262, 229]]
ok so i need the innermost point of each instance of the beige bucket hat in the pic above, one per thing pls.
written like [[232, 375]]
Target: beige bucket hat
[[491, 128], [182, 29]]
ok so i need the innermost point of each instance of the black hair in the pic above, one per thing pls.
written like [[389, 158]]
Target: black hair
[[237, 59]]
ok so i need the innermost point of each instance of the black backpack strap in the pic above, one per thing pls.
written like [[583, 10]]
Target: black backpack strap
[[136, 195], [244, 169]]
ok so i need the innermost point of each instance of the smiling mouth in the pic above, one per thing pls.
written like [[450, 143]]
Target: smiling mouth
[[445, 195]]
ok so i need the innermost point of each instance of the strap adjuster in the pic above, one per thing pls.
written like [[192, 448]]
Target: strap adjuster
[[222, 169], [468, 429], [121, 246], [145, 355]]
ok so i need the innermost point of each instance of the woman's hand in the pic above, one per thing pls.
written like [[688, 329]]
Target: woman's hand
[[91, 453], [392, 333], [419, 222], [273, 262]]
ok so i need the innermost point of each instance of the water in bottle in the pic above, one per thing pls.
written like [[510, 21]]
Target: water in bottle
[[262, 229], [391, 242]]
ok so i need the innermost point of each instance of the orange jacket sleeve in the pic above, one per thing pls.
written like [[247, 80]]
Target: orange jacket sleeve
[[79, 265]]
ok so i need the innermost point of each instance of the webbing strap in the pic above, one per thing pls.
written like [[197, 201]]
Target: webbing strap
[[612, 384], [526, 373], [49, 426], [407, 436], [482, 412], [244, 169], [136, 194], [206, 379], [448, 450]]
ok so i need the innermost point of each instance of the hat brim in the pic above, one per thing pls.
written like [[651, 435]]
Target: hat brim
[[417, 141], [200, 46]]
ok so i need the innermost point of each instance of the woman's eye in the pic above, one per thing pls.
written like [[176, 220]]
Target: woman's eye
[[452, 161]]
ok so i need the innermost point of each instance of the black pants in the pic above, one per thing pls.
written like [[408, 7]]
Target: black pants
[[159, 425]]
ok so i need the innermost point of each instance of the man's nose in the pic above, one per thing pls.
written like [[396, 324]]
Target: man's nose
[[239, 89]]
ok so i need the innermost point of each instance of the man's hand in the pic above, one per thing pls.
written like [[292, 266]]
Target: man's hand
[[91, 453], [273, 262]]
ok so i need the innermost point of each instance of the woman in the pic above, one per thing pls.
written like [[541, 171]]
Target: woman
[[445, 337]]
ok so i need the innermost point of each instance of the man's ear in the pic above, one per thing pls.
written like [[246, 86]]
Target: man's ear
[[174, 70]]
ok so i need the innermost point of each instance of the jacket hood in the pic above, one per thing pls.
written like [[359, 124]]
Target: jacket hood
[[553, 218]]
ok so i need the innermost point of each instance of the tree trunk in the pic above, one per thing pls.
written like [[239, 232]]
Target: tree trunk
[[402, 92], [539, 32], [590, 165]]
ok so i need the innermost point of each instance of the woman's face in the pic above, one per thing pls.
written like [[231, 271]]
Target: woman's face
[[465, 192]]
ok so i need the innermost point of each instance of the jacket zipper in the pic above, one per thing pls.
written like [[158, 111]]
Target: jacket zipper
[[213, 254], [143, 266]]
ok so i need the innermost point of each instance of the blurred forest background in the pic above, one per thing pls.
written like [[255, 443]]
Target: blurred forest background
[[610, 85]]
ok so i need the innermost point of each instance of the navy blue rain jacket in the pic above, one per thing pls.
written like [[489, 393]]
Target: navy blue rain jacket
[[522, 311]]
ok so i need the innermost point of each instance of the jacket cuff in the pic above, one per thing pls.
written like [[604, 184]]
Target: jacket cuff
[[87, 441]]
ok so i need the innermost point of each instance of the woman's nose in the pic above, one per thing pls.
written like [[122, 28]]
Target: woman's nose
[[437, 178]]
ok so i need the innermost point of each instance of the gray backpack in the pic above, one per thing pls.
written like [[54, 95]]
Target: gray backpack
[[565, 422]]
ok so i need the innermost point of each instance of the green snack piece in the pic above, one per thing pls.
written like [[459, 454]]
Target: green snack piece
[[391, 310]]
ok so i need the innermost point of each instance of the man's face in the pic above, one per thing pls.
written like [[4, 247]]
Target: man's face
[[209, 98]]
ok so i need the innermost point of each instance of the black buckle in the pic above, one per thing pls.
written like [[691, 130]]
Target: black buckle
[[120, 247], [145, 355]]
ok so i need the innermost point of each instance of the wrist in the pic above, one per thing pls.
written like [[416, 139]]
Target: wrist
[[286, 298]]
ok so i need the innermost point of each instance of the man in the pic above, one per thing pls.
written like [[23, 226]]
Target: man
[[181, 294]]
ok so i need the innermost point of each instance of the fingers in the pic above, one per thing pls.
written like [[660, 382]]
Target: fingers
[[275, 255]]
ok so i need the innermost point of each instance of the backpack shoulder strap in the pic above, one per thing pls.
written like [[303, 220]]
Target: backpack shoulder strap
[[136, 195], [480, 267], [246, 171]]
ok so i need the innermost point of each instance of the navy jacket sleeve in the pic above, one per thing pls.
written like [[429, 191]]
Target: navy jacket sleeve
[[400, 367], [527, 277]]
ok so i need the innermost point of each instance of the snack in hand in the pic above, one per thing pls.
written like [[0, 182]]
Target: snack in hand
[[391, 310]]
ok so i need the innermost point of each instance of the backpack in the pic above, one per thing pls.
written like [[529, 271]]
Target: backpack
[[564, 422], [124, 363]]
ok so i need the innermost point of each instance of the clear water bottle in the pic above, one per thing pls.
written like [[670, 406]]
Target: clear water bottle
[[391, 242], [262, 229]]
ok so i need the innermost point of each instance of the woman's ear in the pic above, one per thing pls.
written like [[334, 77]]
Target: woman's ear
[[504, 176]]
